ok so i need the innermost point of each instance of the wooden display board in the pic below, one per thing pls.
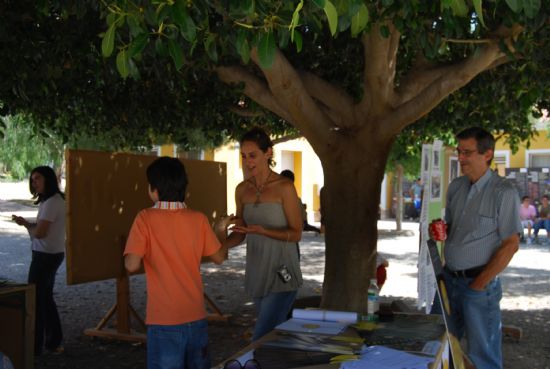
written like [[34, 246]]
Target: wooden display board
[[106, 190]]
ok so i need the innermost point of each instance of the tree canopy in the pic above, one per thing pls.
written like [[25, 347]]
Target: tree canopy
[[353, 77]]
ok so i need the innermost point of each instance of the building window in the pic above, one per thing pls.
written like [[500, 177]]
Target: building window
[[538, 158]]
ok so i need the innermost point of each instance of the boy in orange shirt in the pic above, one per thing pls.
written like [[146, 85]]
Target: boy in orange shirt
[[171, 240]]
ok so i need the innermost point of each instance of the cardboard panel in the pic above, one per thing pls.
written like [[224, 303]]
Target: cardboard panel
[[106, 190]]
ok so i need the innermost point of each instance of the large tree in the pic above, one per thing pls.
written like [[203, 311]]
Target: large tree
[[350, 76]]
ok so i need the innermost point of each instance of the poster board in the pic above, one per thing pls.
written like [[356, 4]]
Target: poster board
[[105, 191]]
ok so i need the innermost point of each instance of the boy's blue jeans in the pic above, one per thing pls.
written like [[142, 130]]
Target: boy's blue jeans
[[272, 310], [477, 315], [183, 346]]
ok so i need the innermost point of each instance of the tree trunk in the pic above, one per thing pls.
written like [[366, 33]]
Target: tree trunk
[[353, 173], [399, 206]]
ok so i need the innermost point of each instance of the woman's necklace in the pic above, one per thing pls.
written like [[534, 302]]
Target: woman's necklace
[[260, 188]]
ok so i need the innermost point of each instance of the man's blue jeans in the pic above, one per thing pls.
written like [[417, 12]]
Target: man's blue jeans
[[272, 310], [477, 315], [545, 223], [183, 346]]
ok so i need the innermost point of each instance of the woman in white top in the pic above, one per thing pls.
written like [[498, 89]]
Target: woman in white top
[[48, 250]]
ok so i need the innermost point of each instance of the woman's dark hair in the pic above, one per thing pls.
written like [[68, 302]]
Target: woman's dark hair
[[167, 176], [51, 186], [260, 138]]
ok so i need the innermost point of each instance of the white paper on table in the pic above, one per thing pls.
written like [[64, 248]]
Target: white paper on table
[[431, 347], [325, 315], [381, 357], [312, 326]]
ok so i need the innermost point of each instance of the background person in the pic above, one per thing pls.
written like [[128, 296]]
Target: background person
[[269, 217], [543, 220], [303, 207], [527, 214], [171, 240], [48, 251], [482, 214]]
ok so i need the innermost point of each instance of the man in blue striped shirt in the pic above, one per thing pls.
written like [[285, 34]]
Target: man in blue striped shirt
[[482, 214]]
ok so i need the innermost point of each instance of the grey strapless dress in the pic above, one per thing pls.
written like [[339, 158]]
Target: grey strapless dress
[[264, 255]]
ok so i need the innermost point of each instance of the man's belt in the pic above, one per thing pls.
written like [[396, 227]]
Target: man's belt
[[466, 273]]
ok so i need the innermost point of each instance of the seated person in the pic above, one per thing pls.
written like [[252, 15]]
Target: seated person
[[527, 214], [543, 219], [307, 227]]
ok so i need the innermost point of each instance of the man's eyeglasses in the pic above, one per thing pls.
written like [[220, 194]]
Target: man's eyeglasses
[[236, 364], [466, 153]]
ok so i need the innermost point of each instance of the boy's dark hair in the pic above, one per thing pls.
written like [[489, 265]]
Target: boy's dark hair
[[51, 186], [167, 176], [484, 140], [288, 174], [260, 138], [525, 198]]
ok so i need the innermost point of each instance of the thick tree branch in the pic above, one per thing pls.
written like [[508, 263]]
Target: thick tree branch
[[339, 103], [380, 55], [289, 91], [254, 88], [286, 138], [245, 112], [457, 76]]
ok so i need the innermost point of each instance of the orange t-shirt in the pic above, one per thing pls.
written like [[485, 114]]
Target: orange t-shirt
[[172, 243]]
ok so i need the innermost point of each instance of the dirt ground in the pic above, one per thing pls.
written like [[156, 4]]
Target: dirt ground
[[526, 301]]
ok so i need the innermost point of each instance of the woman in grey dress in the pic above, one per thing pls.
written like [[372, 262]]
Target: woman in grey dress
[[268, 215]]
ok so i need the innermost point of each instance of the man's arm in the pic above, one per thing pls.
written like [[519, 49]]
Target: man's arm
[[498, 262]]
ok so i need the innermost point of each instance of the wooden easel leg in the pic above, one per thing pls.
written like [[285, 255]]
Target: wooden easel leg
[[123, 309]]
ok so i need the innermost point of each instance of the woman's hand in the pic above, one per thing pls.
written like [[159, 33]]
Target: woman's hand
[[20, 221], [252, 228], [225, 221]]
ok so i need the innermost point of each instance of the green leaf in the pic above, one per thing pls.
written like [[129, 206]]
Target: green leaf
[[320, 3], [266, 49], [242, 46], [515, 5], [531, 7], [184, 21], [479, 11], [458, 7], [247, 6], [210, 47], [332, 16], [176, 53], [295, 19], [122, 64], [385, 31], [359, 21], [160, 48], [134, 72], [108, 42], [298, 41], [110, 19], [138, 44]]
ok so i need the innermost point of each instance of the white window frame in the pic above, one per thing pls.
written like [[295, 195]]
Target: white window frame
[[528, 154], [506, 154]]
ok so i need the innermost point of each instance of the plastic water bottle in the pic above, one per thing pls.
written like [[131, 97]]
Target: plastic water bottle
[[372, 302]]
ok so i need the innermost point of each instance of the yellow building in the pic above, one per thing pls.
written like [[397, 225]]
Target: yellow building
[[537, 155]]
